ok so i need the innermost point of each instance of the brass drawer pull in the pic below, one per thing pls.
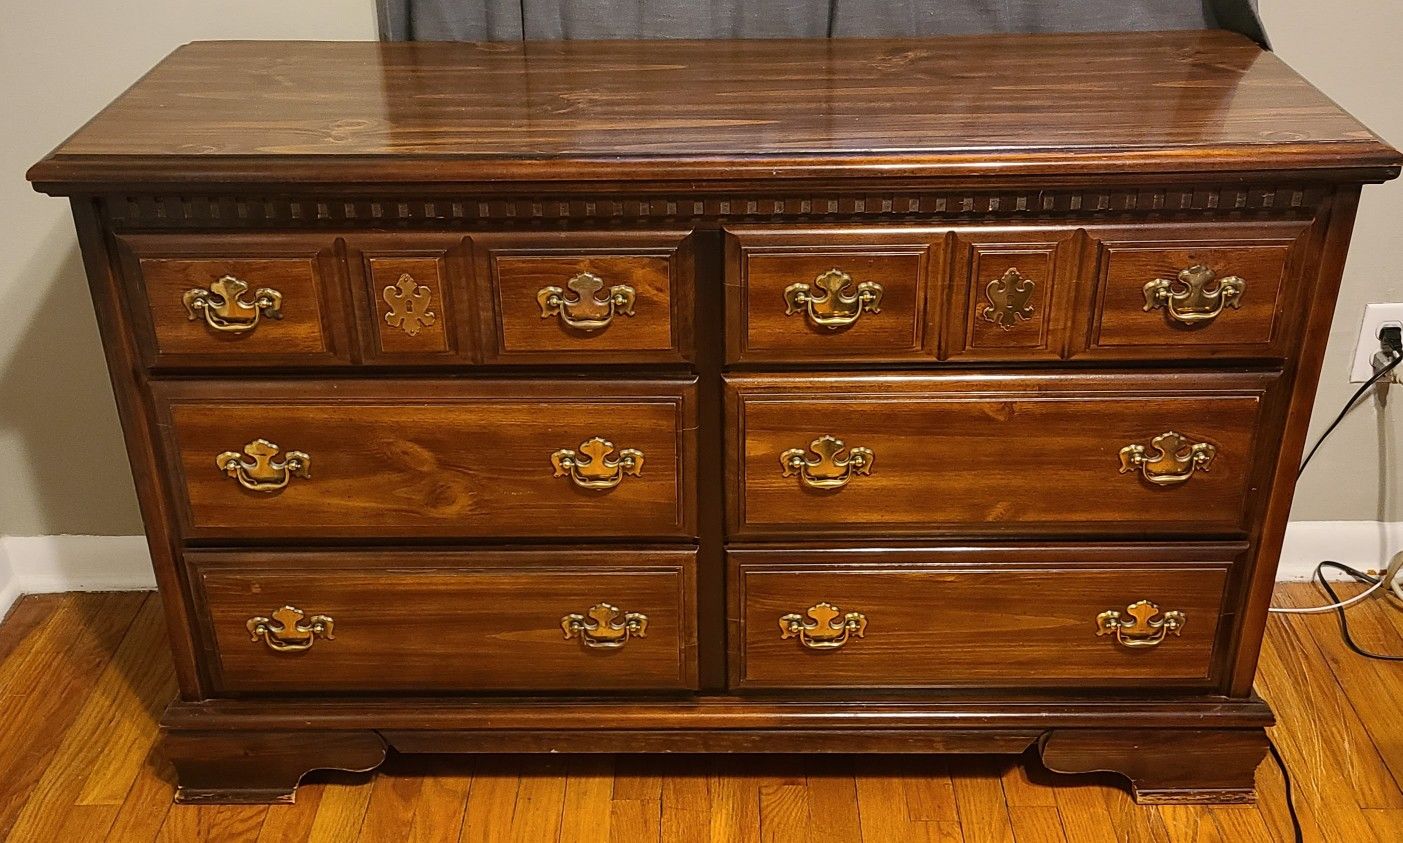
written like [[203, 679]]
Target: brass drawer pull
[[827, 303], [586, 312], [289, 630], [826, 470], [1174, 458], [1141, 629], [605, 627], [591, 467], [1189, 300], [265, 473], [224, 308], [827, 626]]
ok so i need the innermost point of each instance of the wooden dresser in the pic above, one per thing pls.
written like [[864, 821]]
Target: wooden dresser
[[836, 396]]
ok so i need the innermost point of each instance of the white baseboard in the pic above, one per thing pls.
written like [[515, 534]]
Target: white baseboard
[[42, 564]]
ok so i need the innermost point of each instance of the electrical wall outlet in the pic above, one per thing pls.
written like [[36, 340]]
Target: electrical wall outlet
[[1376, 318]]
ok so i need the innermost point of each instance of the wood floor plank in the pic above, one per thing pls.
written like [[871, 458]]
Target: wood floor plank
[[589, 785], [635, 821], [394, 796], [979, 795], [213, 824], [1036, 824], [26, 617], [50, 683], [929, 793], [438, 814], [833, 805], [341, 809], [488, 809], [686, 803], [734, 792], [1189, 824], [784, 811], [113, 727], [540, 797], [295, 821], [1366, 683], [1084, 808], [883, 809]]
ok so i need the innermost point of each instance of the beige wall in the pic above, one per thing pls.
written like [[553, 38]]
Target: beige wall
[[1348, 48], [62, 468], [61, 456]]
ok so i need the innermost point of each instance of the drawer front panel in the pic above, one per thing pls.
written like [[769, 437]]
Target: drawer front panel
[[1011, 293], [955, 454], [228, 301], [1197, 291], [832, 294], [431, 458], [985, 617], [585, 621], [585, 297]]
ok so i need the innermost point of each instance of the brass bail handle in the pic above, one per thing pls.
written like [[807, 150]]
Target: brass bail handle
[[289, 630], [1196, 296], [832, 301], [604, 626], [824, 466], [586, 311], [1142, 628], [1170, 459], [258, 468], [823, 626], [593, 467], [224, 308]]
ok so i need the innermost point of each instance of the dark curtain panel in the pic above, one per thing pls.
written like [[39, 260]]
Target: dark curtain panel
[[550, 20]]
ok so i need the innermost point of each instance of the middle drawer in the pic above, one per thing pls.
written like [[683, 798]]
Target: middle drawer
[[1128, 454], [414, 459]]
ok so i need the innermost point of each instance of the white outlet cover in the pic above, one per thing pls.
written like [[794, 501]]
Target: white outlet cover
[[1376, 316]]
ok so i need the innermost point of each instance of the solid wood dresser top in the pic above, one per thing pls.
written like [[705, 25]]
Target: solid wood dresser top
[[367, 113]]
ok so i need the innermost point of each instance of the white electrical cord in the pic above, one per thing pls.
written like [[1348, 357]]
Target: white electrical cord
[[1388, 580]]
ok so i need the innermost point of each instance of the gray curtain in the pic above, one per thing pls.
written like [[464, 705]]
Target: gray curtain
[[551, 20]]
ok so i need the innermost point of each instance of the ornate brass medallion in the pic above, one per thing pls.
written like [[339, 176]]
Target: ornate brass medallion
[[828, 302], [1141, 629], [288, 630], [827, 626], [409, 305], [1193, 298], [224, 308], [1010, 299], [586, 312], [826, 469], [1171, 458], [605, 627], [262, 472], [591, 467]]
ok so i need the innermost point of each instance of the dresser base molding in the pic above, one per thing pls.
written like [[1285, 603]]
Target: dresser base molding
[[1164, 766], [254, 751]]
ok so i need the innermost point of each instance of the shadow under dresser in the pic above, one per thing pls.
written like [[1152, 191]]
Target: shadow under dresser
[[933, 395]]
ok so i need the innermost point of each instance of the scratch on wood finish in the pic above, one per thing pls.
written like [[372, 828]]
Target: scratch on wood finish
[[892, 396]]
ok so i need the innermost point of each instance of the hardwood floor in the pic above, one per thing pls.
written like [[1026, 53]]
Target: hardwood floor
[[83, 677]]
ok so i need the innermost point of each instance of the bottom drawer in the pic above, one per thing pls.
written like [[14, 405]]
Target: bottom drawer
[[988, 617], [587, 621]]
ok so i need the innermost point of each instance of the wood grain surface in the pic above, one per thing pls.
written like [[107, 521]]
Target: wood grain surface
[[368, 112], [437, 621], [986, 617], [980, 455], [440, 458]]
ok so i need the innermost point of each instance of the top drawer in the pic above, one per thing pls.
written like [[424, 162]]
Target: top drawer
[[975, 293], [411, 298]]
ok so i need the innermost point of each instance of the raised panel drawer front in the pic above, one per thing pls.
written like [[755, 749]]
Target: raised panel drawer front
[[1196, 290], [585, 296], [833, 293], [236, 300], [586, 621], [984, 616], [411, 459], [1154, 453]]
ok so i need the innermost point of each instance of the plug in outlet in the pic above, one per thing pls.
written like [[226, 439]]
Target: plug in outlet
[[1376, 318]]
